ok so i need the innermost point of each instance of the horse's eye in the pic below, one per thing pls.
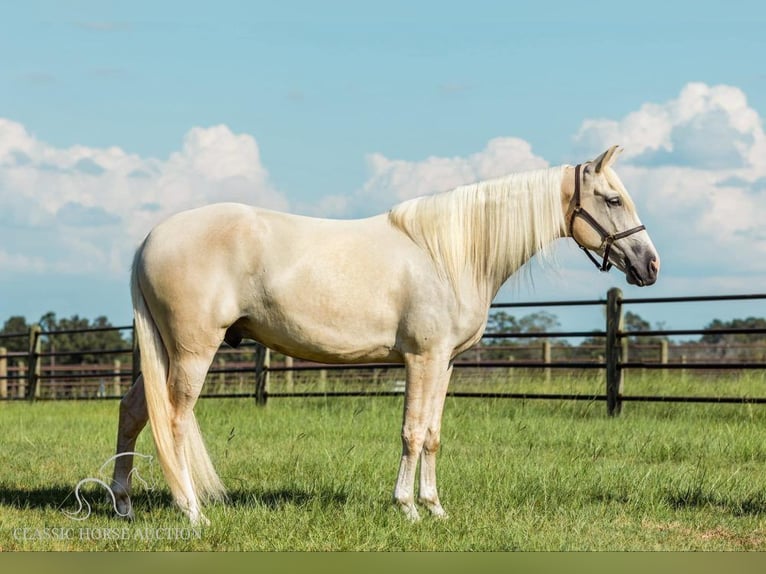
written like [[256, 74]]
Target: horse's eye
[[615, 201]]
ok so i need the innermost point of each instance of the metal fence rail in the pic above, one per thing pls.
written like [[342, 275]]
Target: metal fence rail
[[25, 379]]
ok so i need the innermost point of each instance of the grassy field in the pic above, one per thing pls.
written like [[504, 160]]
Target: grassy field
[[317, 474]]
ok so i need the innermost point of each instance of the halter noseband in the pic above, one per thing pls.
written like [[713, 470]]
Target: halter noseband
[[607, 239]]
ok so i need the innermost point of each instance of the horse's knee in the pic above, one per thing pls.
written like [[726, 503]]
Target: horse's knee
[[180, 425], [133, 409], [432, 441], [412, 439]]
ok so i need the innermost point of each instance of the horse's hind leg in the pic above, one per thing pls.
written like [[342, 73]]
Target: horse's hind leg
[[133, 418], [186, 380]]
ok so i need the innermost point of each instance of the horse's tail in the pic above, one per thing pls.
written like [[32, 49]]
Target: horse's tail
[[205, 482]]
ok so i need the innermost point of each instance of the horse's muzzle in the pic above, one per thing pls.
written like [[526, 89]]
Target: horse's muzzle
[[645, 273]]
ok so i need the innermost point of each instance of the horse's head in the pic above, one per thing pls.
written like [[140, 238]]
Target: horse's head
[[601, 217]]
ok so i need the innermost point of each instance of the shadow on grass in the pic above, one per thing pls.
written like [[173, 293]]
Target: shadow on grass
[[753, 505], [276, 499], [62, 498], [693, 498]]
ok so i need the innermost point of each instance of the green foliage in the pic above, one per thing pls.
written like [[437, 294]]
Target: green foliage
[[632, 322], [540, 322], [75, 344], [12, 326], [749, 323], [501, 322]]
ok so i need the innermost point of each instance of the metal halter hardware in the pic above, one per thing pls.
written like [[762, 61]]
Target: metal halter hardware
[[607, 239]]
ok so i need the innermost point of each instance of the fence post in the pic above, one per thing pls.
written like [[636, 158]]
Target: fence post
[[664, 352], [21, 381], [218, 382], [289, 380], [34, 366], [117, 377], [262, 361], [3, 373], [613, 352], [323, 381], [547, 359]]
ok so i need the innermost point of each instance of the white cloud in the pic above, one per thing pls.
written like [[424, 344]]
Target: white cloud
[[394, 180], [695, 165], [705, 127], [100, 202], [19, 262]]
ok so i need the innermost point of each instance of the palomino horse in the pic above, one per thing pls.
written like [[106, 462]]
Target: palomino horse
[[412, 286]]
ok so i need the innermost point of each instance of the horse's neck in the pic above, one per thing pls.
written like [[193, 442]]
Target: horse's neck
[[494, 281], [528, 225], [478, 235]]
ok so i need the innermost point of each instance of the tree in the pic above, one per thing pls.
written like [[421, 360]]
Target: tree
[[633, 322], [749, 323], [540, 322], [78, 342], [734, 345], [501, 321], [14, 325]]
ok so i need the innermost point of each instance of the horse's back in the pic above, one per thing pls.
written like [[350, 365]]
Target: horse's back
[[332, 290]]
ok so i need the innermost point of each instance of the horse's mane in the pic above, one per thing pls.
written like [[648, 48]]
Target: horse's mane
[[491, 227]]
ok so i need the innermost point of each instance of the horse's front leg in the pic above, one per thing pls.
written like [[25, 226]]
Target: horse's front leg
[[133, 418], [422, 379], [428, 495]]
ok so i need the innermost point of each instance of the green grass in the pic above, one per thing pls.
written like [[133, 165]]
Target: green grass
[[317, 474]]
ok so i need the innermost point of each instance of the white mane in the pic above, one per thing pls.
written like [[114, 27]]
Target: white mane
[[490, 228]]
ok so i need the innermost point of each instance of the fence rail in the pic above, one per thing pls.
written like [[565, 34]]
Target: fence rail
[[23, 374]]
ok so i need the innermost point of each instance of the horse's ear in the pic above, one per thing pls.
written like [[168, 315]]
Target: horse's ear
[[607, 158]]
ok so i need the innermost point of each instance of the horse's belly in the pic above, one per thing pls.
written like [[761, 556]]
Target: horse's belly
[[327, 354], [323, 343]]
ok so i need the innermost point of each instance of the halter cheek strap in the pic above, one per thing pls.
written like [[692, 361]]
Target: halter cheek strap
[[607, 239]]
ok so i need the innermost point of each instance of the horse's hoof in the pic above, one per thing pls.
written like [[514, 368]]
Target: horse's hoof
[[199, 519], [410, 511], [435, 508], [123, 508], [438, 512]]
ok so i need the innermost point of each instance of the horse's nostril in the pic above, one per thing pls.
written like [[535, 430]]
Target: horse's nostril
[[654, 265]]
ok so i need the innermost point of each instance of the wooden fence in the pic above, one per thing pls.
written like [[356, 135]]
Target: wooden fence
[[250, 371]]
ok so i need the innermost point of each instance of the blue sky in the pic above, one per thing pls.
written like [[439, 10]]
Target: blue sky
[[115, 114]]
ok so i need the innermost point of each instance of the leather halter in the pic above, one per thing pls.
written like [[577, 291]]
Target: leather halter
[[607, 239]]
